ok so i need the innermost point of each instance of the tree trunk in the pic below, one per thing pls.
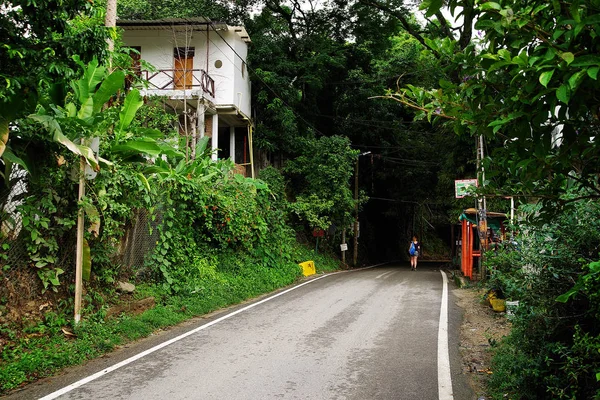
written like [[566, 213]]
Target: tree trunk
[[111, 21]]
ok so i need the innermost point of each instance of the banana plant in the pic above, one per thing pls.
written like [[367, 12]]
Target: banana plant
[[201, 168], [84, 116], [87, 114]]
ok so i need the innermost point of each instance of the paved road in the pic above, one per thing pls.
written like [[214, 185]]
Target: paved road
[[366, 334]]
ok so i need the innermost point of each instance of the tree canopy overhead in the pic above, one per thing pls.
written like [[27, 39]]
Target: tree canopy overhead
[[528, 84]]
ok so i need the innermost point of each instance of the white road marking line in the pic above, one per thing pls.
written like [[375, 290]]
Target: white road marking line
[[444, 376], [384, 274], [123, 363]]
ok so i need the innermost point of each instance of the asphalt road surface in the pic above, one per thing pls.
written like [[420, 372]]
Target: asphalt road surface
[[365, 334]]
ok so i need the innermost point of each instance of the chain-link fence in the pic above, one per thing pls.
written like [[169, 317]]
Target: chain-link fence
[[140, 237], [137, 243], [12, 247]]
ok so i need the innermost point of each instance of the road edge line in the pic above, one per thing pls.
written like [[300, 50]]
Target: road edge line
[[444, 375]]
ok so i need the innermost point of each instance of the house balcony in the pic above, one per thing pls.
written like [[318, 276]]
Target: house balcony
[[180, 84]]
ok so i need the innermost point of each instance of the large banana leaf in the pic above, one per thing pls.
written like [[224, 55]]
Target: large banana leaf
[[92, 76], [87, 108], [108, 88], [52, 125], [136, 146], [170, 151], [11, 157], [132, 103], [71, 110], [149, 133], [201, 146]]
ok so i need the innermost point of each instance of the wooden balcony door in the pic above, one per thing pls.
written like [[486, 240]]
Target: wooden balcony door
[[184, 66]]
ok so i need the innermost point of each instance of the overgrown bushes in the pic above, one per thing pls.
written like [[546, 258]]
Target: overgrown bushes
[[553, 348]]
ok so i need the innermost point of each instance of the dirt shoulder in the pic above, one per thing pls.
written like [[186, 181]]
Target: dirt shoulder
[[481, 326]]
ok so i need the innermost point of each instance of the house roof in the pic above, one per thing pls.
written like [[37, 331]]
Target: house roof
[[198, 23]]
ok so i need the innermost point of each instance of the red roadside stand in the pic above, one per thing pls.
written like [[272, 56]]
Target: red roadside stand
[[473, 242]]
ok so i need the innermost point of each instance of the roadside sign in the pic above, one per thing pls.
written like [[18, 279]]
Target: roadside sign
[[461, 186], [344, 247]]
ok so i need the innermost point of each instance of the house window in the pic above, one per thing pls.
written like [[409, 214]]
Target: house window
[[218, 64]]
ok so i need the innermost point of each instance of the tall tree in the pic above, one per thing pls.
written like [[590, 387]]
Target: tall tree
[[222, 11]]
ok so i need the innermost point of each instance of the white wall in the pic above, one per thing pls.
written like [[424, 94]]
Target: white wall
[[224, 76], [242, 80]]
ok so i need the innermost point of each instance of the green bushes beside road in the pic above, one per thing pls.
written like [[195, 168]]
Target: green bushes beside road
[[553, 271]]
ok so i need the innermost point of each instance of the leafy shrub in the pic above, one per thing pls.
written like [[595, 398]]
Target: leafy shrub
[[552, 350]]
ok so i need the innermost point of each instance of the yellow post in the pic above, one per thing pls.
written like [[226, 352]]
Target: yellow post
[[308, 268]]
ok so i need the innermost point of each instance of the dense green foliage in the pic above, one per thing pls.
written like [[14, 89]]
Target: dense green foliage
[[553, 348], [319, 178], [37, 50], [528, 85]]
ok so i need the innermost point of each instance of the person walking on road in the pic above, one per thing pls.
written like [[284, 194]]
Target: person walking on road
[[413, 250]]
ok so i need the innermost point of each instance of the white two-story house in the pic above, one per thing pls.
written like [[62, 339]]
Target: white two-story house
[[202, 75]]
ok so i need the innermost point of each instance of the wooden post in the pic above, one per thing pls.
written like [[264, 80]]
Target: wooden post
[[344, 242], [251, 150], [79, 252], [215, 137], [355, 258]]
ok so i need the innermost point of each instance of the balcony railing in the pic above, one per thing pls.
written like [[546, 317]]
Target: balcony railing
[[173, 79]]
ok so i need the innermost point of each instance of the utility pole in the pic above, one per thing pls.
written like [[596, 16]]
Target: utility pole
[[482, 209], [355, 258]]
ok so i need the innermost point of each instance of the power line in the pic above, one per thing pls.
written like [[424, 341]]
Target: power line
[[410, 163]]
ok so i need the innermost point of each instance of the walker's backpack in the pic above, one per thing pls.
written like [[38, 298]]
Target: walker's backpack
[[412, 250]]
